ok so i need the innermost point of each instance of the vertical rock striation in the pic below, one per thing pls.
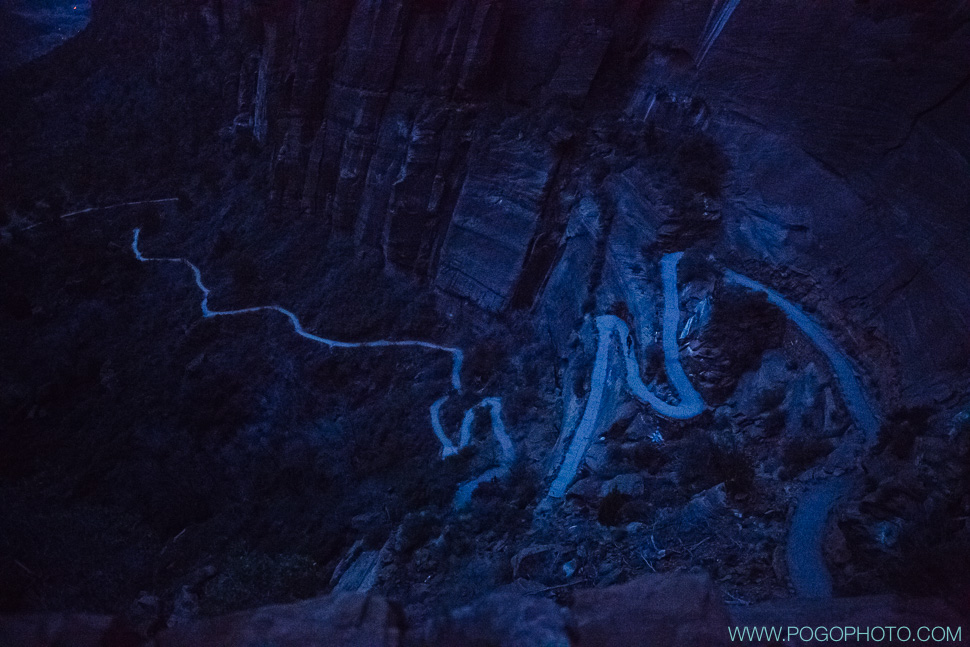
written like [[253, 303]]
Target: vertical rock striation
[[458, 137]]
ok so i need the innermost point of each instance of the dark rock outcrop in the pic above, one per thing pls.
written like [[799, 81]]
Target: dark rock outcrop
[[434, 131], [502, 619], [669, 610], [661, 609], [338, 621], [423, 128]]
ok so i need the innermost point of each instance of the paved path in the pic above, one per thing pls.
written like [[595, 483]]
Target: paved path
[[806, 566], [297, 326], [506, 448], [690, 405], [448, 447], [852, 392], [807, 571]]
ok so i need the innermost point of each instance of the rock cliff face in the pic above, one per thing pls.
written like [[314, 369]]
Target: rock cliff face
[[462, 138], [489, 175]]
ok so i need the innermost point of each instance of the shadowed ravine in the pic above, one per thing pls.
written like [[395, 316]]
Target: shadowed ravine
[[691, 403]]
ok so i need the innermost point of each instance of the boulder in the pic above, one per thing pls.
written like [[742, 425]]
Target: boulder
[[586, 490], [669, 610], [703, 507], [536, 562], [643, 427], [69, 629], [342, 620], [630, 485], [597, 459], [504, 619]]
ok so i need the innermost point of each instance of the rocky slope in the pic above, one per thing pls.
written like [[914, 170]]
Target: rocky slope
[[668, 610], [488, 175]]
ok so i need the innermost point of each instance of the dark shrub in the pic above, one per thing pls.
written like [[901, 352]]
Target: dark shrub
[[694, 266], [645, 456], [416, 530], [519, 404], [248, 578], [801, 452], [622, 310], [774, 423], [700, 165], [483, 362], [704, 462], [771, 398], [899, 433], [610, 508]]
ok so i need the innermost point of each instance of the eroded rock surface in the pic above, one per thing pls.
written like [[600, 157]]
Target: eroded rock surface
[[337, 621], [456, 137], [493, 176]]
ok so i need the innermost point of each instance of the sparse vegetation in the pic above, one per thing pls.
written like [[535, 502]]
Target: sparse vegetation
[[146, 448]]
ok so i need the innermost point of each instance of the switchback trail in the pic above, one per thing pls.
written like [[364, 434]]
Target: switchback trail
[[807, 569], [448, 448], [507, 449], [806, 564], [845, 374], [691, 403]]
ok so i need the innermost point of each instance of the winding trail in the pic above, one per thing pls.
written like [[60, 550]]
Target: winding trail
[[807, 569], [448, 447], [457, 356], [507, 449], [691, 403], [806, 565], [845, 374]]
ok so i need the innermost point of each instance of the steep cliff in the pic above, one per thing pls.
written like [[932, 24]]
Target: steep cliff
[[455, 137], [489, 175]]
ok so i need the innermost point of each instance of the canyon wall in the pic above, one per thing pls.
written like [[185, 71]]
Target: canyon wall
[[488, 146]]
